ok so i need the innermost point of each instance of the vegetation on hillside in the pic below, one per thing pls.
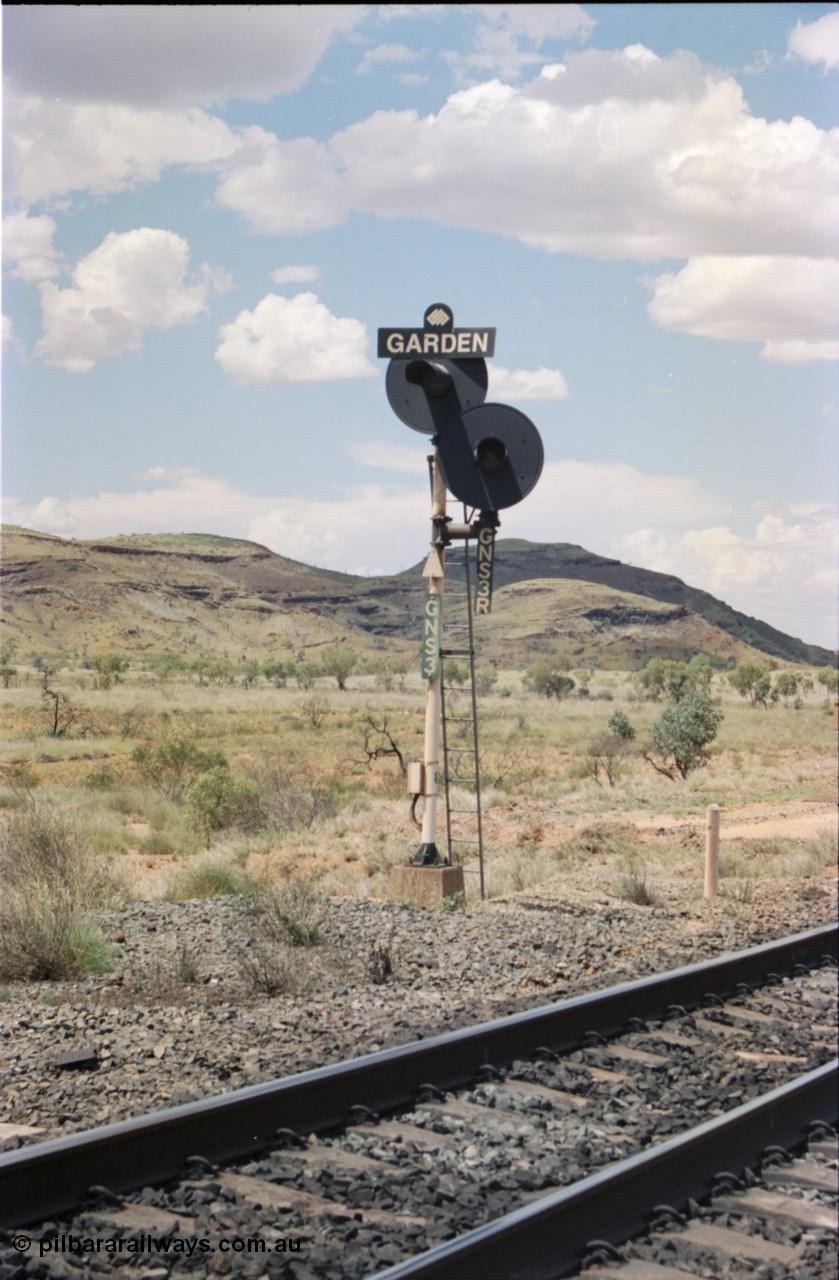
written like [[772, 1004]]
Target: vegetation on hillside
[[161, 769], [198, 596]]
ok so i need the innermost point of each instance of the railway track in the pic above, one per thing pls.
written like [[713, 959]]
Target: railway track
[[500, 1150], [782, 1219]]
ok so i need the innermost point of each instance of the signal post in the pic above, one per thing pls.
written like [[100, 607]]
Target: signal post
[[489, 456]]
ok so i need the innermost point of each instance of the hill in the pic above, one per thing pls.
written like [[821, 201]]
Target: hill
[[202, 594], [520, 561]]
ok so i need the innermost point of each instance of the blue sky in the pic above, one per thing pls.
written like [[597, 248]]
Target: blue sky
[[209, 211]]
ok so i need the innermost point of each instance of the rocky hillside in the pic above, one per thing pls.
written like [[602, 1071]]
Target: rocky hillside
[[520, 561], [201, 594]]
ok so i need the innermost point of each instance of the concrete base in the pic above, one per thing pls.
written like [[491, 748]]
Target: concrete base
[[425, 886]]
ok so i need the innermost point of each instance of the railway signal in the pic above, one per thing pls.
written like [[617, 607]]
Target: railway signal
[[488, 456]]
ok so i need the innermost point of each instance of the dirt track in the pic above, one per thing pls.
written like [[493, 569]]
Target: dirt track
[[796, 820]]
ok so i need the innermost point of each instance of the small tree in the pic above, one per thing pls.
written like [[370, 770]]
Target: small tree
[[664, 677], [620, 726], [700, 672], [651, 680], [317, 709], [548, 677], [606, 755], [377, 740], [306, 673], [217, 801], [173, 766], [166, 665], [608, 751], [277, 672], [109, 668], [829, 677], [456, 673], [61, 714], [752, 681], [682, 734], [391, 674], [486, 678], [249, 673], [340, 663], [787, 684]]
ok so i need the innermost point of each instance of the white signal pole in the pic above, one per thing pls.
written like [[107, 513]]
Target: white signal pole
[[433, 571]]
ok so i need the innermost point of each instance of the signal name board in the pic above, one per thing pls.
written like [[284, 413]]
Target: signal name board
[[454, 343], [486, 552], [431, 619]]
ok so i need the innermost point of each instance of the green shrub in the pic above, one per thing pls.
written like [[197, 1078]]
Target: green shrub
[[217, 801], [620, 726], [210, 879], [548, 677], [45, 938], [294, 915], [109, 668], [683, 733], [52, 885], [174, 765], [156, 844], [276, 925], [99, 779]]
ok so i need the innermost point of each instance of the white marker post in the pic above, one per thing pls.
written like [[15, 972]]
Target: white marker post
[[712, 850]]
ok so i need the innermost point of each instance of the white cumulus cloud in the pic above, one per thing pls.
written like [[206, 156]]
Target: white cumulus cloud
[[53, 148], [27, 242], [789, 304], [597, 503], [168, 54], [526, 384], [391, 457], [817, 42], [281, 187], [132, 282], [295, 275], [510, 36], [782, 569], [388, 54], [620, 155], [612, 154], [293, 340]]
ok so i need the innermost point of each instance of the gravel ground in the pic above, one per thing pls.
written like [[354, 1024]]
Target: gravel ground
[[178, 1017]]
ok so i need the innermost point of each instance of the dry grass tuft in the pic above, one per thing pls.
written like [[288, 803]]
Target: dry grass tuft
[[208, 877], [53, 883], [635, 886]]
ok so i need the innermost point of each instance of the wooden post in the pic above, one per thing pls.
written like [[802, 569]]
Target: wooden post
[[712, 850]]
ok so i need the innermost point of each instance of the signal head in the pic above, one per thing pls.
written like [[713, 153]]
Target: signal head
[[491, 456]]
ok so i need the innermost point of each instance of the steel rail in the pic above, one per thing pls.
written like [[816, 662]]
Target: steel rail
[[547, 1239], [53, 1177]]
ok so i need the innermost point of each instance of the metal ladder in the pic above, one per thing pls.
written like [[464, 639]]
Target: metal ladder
[[459, 715]]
